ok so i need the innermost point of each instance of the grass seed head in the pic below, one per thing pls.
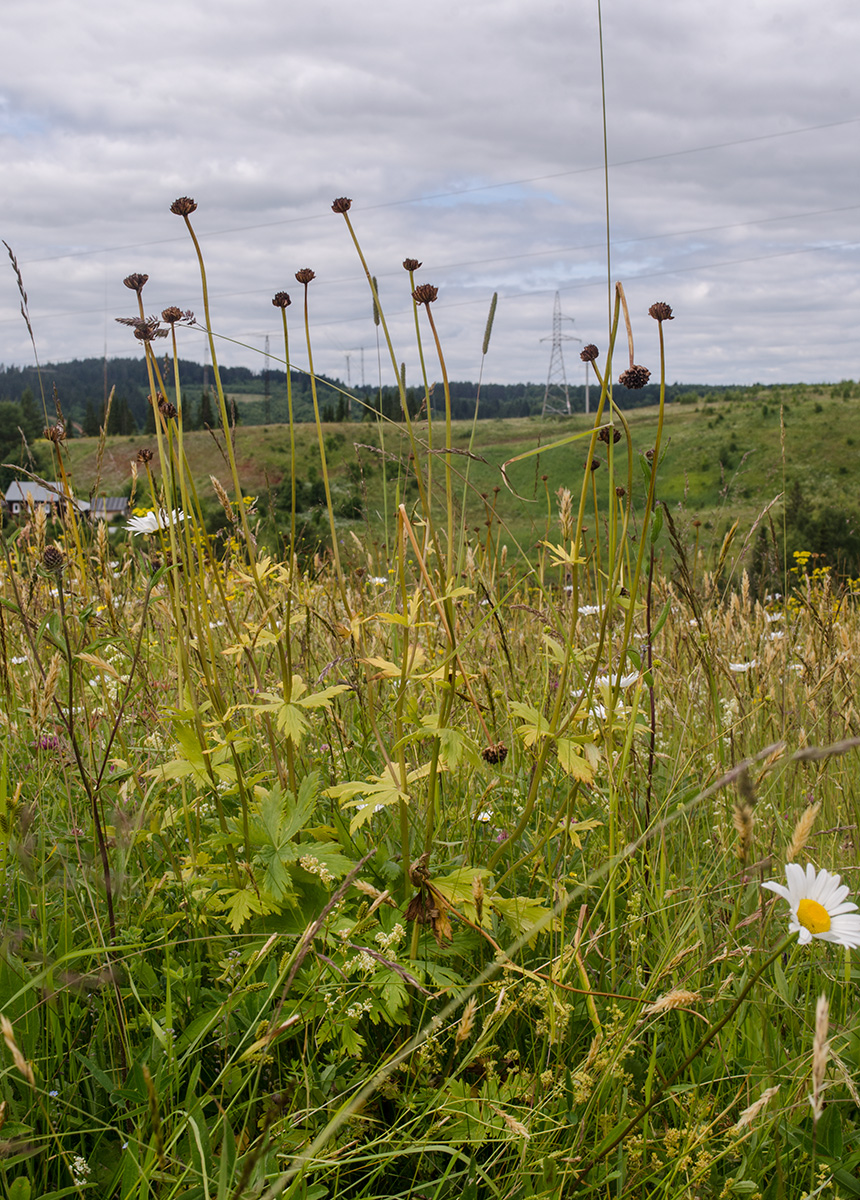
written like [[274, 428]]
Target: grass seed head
[[820, 1053], [802, 831]]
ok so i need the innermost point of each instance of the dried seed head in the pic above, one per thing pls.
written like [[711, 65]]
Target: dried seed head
[[467, 1021], [146, 330], [166, 409], [425, 293], [223, 498], [820, 1054], [661, 311], [305, 275], [605, 435], [341, 205], [749, 1114], [144, 456], [478, 896], [53, 560], [281, 300], [411, 264], [55, 433], [589, 353], [677, 998], [634, 377], [135, 282], [802, 830], [495, 753], [593, 465], [184, 206], [172, 315], [620, 492]]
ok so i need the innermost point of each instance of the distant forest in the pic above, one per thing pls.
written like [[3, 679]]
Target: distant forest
[[260, 397]]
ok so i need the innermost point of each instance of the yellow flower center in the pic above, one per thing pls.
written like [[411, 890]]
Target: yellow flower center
[[813, 916]]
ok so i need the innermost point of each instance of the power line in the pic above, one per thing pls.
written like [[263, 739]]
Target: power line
[[628, 162]]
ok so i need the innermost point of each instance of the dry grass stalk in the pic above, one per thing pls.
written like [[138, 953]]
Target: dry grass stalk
[[565, 513], [467, 1021], [44, 697], [677, 998], [19, 1059], [224, 499], [743, 815], [802, 830], [512, 1123], [820, 1051], [478, 897], [749, 1114], [40, 521]]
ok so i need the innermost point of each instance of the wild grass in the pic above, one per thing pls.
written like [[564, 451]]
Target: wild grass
[[427, 868]]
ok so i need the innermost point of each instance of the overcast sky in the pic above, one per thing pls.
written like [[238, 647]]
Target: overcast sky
[[469, 135]]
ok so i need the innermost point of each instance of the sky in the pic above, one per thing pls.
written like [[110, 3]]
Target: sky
[[470, 136]]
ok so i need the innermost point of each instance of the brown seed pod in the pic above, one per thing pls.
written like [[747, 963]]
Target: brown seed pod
[[281, 300], [589, 353], [305, 275], [634, 377], [184, 206], [425, 293], [53, 560], [341, 205], [411, 264], [135, 282], [661, 311]]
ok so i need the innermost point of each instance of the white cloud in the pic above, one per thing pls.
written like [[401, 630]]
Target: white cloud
[[266, 114]]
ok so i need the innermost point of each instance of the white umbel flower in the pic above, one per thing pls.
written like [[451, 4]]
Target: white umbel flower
[[159, 518], [819, 908]]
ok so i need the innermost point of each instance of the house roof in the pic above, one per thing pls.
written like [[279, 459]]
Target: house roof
[[50, 492], [46, 492]]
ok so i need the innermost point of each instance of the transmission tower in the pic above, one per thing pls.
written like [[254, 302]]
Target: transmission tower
[[557, 376], [267, 388]]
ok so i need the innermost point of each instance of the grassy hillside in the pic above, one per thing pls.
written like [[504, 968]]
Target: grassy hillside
[[724, 460]]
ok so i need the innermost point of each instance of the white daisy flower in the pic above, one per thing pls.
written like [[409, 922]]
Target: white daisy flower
[[623, 681], [159, 518], [818, 906]]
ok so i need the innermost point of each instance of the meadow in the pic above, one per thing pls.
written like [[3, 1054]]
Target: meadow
[[426, 860]]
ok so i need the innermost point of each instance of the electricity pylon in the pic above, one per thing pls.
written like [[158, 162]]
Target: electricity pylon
[[557, 376]]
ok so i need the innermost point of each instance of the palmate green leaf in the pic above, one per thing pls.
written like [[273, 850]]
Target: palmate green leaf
[[276, 881], [457, 887], [455, 745], [192, 757], [365, 795], [290, 715], [240, 905], [521, 913], [574, 759], [534, 724]]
